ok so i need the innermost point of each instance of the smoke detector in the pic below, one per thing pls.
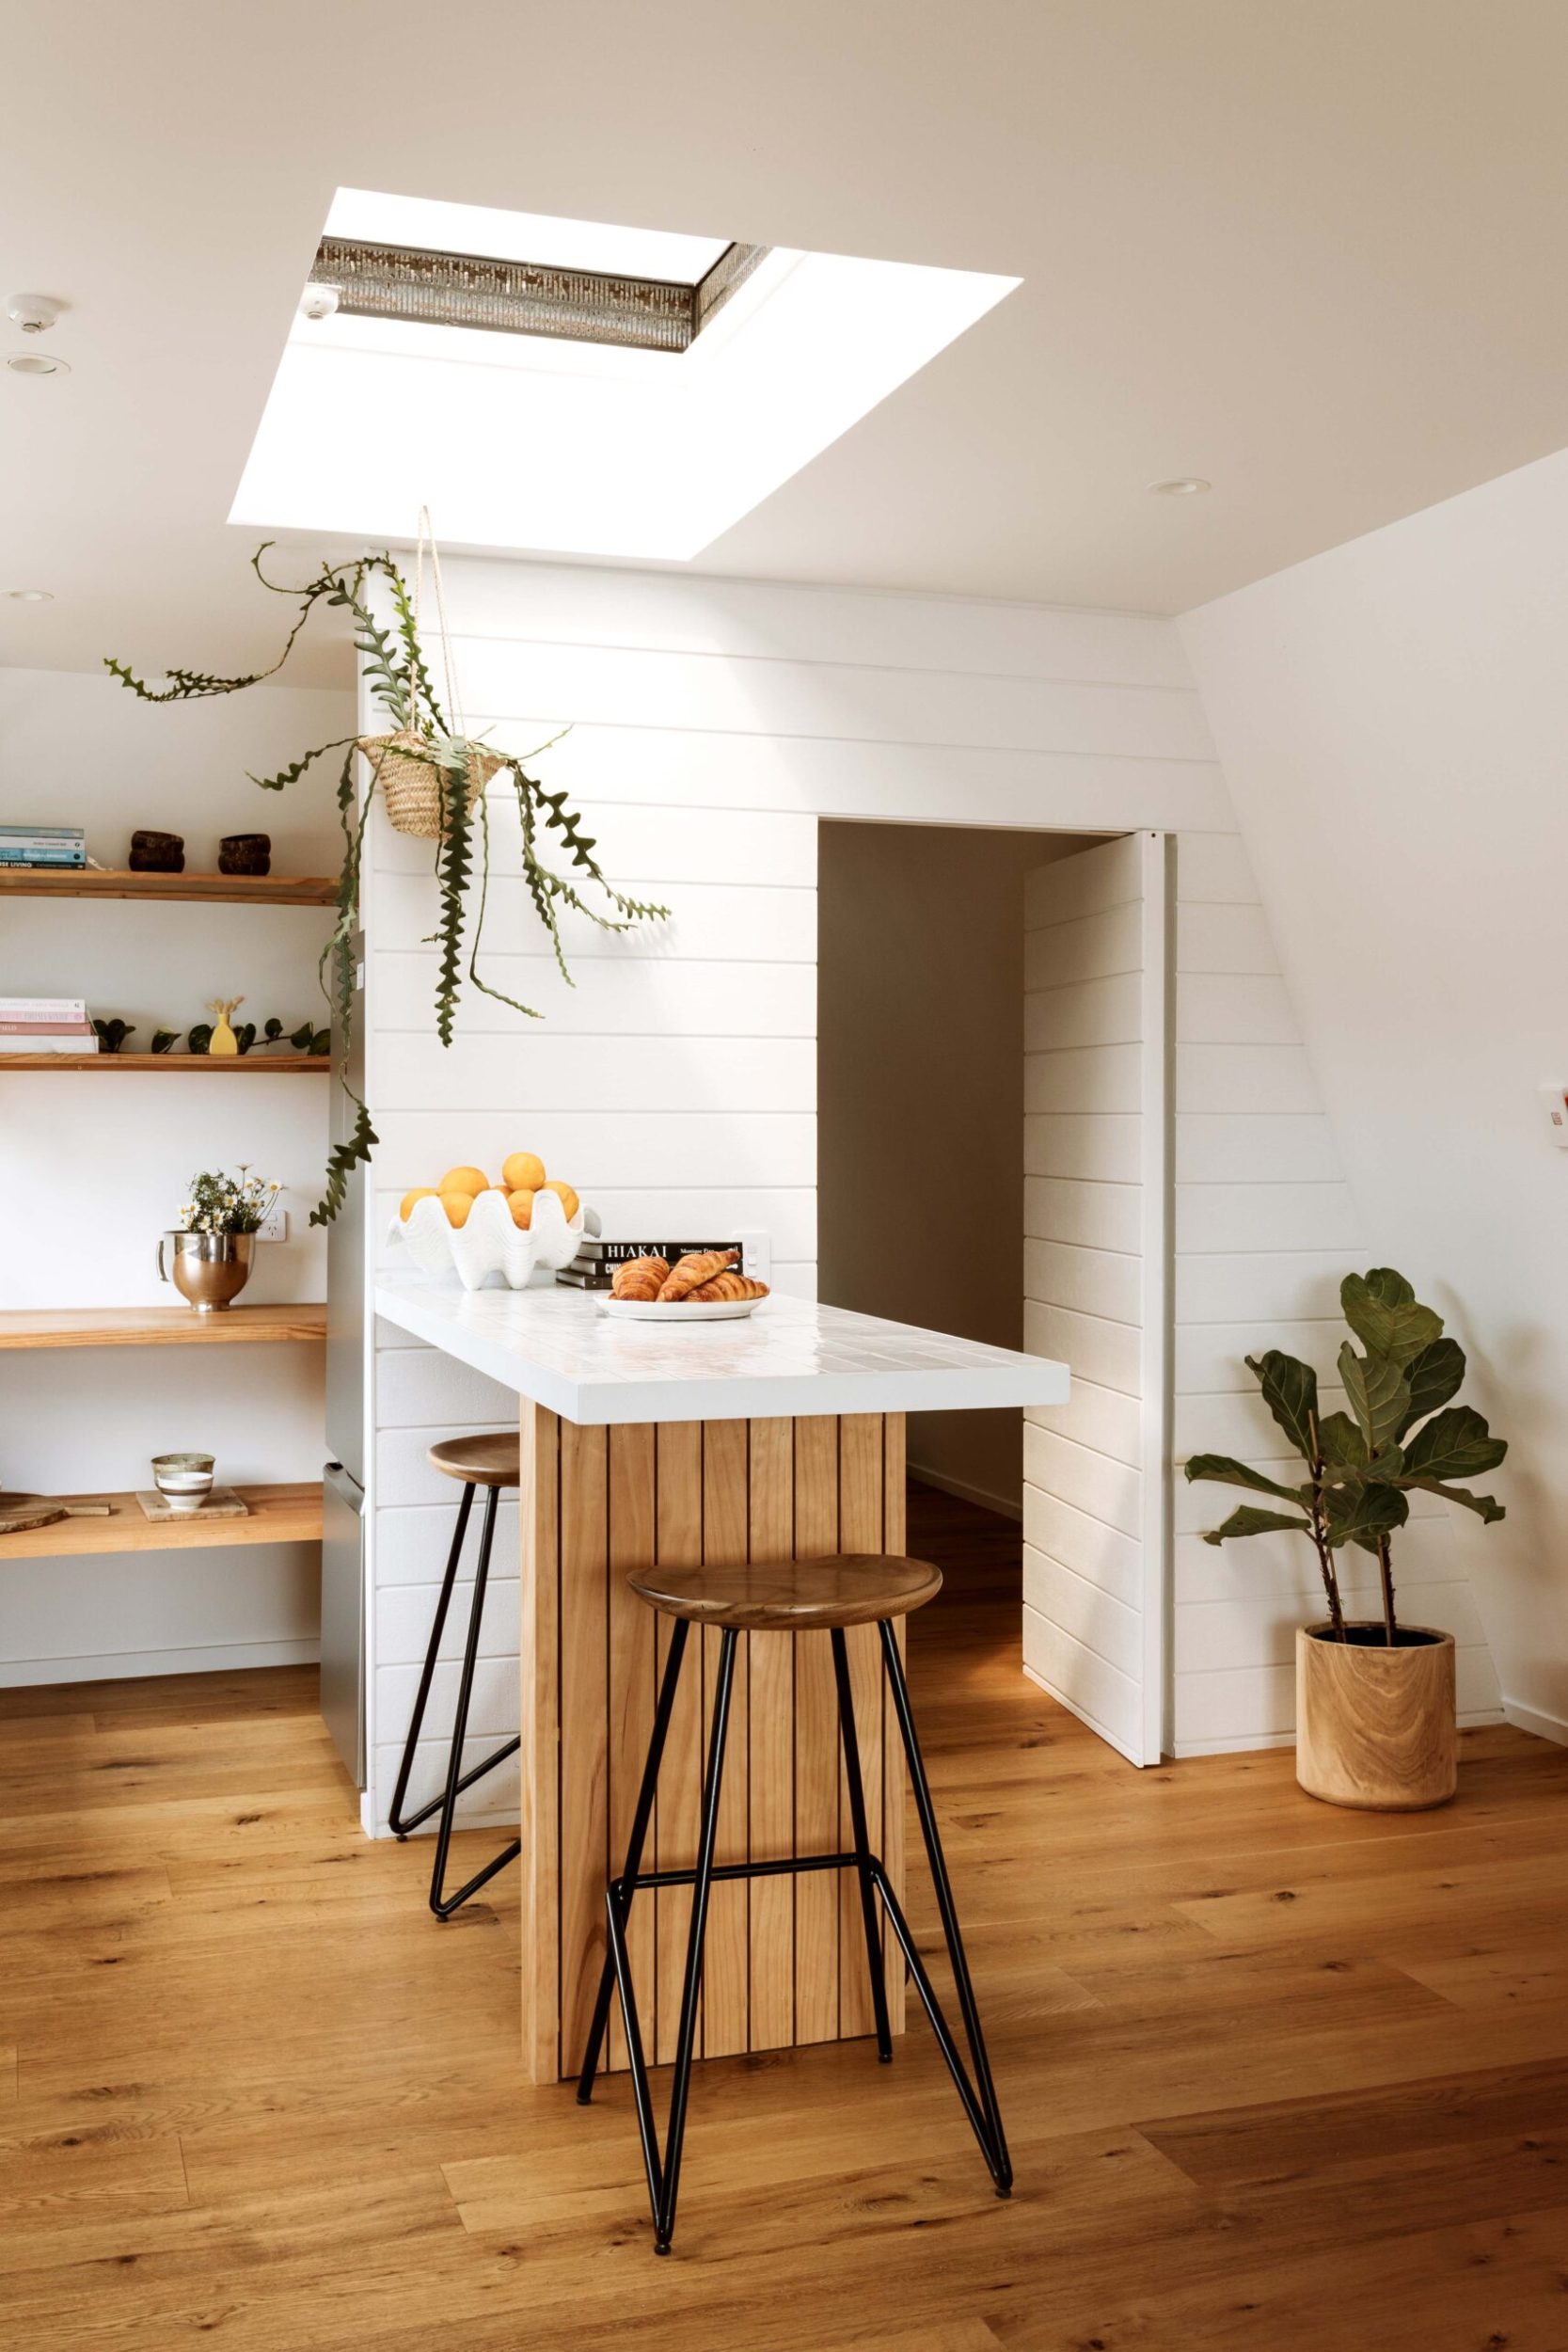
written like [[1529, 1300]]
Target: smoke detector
[[34, 314]]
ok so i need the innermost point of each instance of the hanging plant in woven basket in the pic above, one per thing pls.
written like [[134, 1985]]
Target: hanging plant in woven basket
[[432, 777]]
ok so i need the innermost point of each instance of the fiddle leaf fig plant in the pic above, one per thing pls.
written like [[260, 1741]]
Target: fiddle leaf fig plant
[[393, 666], [1402, 1432]]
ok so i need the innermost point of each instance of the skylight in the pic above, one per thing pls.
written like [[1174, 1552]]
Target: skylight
[[564, 387]]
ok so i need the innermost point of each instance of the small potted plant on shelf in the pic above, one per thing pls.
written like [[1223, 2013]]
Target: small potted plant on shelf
[[1375, 1703], [216, 1239]]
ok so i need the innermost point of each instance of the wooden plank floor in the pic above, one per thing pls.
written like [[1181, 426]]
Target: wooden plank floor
[[1276, 2076]]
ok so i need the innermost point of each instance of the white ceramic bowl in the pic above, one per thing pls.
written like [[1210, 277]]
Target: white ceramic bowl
[[184, 1480], [489, 1250]]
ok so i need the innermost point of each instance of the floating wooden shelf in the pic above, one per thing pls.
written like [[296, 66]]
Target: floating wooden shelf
[[156, 1327], [278, 1514], [257, 1065], [229, 890]]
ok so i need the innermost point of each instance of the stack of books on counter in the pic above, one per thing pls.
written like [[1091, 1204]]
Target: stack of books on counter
[[45, 1025], [593, 1267], [43, 845]]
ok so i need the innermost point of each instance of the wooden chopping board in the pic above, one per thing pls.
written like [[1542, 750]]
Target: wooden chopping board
[[20, 1511]]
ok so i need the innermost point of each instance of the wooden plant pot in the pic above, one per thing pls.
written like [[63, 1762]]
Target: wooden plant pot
[[1375, 1728]]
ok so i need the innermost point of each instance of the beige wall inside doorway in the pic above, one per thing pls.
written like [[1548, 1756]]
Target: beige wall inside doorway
[[920, 1109]]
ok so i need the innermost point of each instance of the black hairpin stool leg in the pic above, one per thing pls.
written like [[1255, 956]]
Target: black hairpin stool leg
[[457, 1780], [399, 1826], [619, 1893], [979, 2101], [664, 2171], [864, 1857]]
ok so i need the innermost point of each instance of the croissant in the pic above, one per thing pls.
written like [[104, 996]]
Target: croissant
[[701, 1266], [730, 1286], [639, 1278]]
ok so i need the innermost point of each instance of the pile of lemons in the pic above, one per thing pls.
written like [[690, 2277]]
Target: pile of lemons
[[522, 1179]]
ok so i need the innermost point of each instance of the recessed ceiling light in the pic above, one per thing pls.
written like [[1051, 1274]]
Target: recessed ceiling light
[[36, 363], [1186, 485], [31, 596]]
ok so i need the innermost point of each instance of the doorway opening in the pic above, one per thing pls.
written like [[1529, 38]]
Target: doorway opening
[[990, 1065]]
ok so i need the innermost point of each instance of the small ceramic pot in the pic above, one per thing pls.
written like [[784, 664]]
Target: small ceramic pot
[[184, 1480], [209, 1269]]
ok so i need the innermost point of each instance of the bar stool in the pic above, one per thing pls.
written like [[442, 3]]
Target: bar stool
[[490, 1462], [794, 1597]]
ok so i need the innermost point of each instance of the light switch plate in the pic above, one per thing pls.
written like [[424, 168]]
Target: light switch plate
[[1553, 1102]]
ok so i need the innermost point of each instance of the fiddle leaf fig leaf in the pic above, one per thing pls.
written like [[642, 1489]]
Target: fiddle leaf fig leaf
[[1290, 1393], [1453, 1444], [1434, 1375], [1487, 1507], [1249, 1520], [1379, 1396], [1382, 1310], [1226, 1472], [1361, 1515], [1342, 1444]]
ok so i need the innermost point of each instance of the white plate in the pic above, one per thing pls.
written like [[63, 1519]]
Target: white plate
[[678, 1309]]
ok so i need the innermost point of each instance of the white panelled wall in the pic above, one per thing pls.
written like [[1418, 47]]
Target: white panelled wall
[[713, 724], [1265, 1227], [1096, 1274]]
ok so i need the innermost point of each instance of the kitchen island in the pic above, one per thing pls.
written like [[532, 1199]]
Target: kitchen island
[[777, 1437]]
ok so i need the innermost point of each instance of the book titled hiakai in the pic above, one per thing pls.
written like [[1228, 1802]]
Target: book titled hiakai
[[593, 1267]]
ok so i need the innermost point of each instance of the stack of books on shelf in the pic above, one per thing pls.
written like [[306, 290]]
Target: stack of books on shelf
[[43, 845], [593, 1267], [45, 1025]]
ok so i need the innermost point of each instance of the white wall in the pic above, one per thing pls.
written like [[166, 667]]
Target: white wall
[[1096, 1263], [1392, 718], [1265, 1227], [715, 722], [96, 1166], [920, 1061]]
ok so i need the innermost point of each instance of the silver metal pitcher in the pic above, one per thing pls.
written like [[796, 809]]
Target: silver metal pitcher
[[209, 1269]]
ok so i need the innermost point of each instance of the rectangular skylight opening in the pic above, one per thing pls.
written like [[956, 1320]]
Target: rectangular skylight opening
[[559, 387]]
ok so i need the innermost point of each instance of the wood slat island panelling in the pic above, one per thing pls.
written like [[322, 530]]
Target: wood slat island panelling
[[785, 1958]]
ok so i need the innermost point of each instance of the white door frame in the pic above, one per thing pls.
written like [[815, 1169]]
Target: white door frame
[[1159, 1189]]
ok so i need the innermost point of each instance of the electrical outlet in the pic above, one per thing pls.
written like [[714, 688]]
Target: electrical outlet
[[275, 1227]]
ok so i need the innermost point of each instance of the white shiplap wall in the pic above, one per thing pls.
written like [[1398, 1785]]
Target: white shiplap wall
[[1094, 1275], [1265, 1227], [714, 722]]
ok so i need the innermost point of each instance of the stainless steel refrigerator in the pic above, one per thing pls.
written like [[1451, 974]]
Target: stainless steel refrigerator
[[344, 1600]]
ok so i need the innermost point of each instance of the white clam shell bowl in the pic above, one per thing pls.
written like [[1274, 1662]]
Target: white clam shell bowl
[[489, 1250]]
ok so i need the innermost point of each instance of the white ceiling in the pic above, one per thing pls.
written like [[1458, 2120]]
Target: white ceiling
[[1312, 252]]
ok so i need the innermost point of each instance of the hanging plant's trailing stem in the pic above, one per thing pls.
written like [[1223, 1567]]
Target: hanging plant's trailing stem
[[393, 667]]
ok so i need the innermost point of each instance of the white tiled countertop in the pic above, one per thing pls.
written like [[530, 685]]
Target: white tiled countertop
[[791, 1357]]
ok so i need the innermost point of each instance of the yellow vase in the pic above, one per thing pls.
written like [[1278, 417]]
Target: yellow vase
[[223, 1041]]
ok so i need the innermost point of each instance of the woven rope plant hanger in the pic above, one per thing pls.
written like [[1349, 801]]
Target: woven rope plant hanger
[[416, 781]]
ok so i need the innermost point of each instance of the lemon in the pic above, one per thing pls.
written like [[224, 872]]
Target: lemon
[[524, 1171], [566, 1197], [420, 1192], [457, 1206], [468, 1180], [521, 1205]]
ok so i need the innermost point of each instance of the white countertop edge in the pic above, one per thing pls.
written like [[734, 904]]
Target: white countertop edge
[[603, 1401]]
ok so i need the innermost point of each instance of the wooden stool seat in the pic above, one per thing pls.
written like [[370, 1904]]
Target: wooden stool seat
[[478, 1461], [792, 1596]]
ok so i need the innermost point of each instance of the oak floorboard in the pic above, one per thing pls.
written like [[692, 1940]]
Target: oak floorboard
[[1277, 2079]]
